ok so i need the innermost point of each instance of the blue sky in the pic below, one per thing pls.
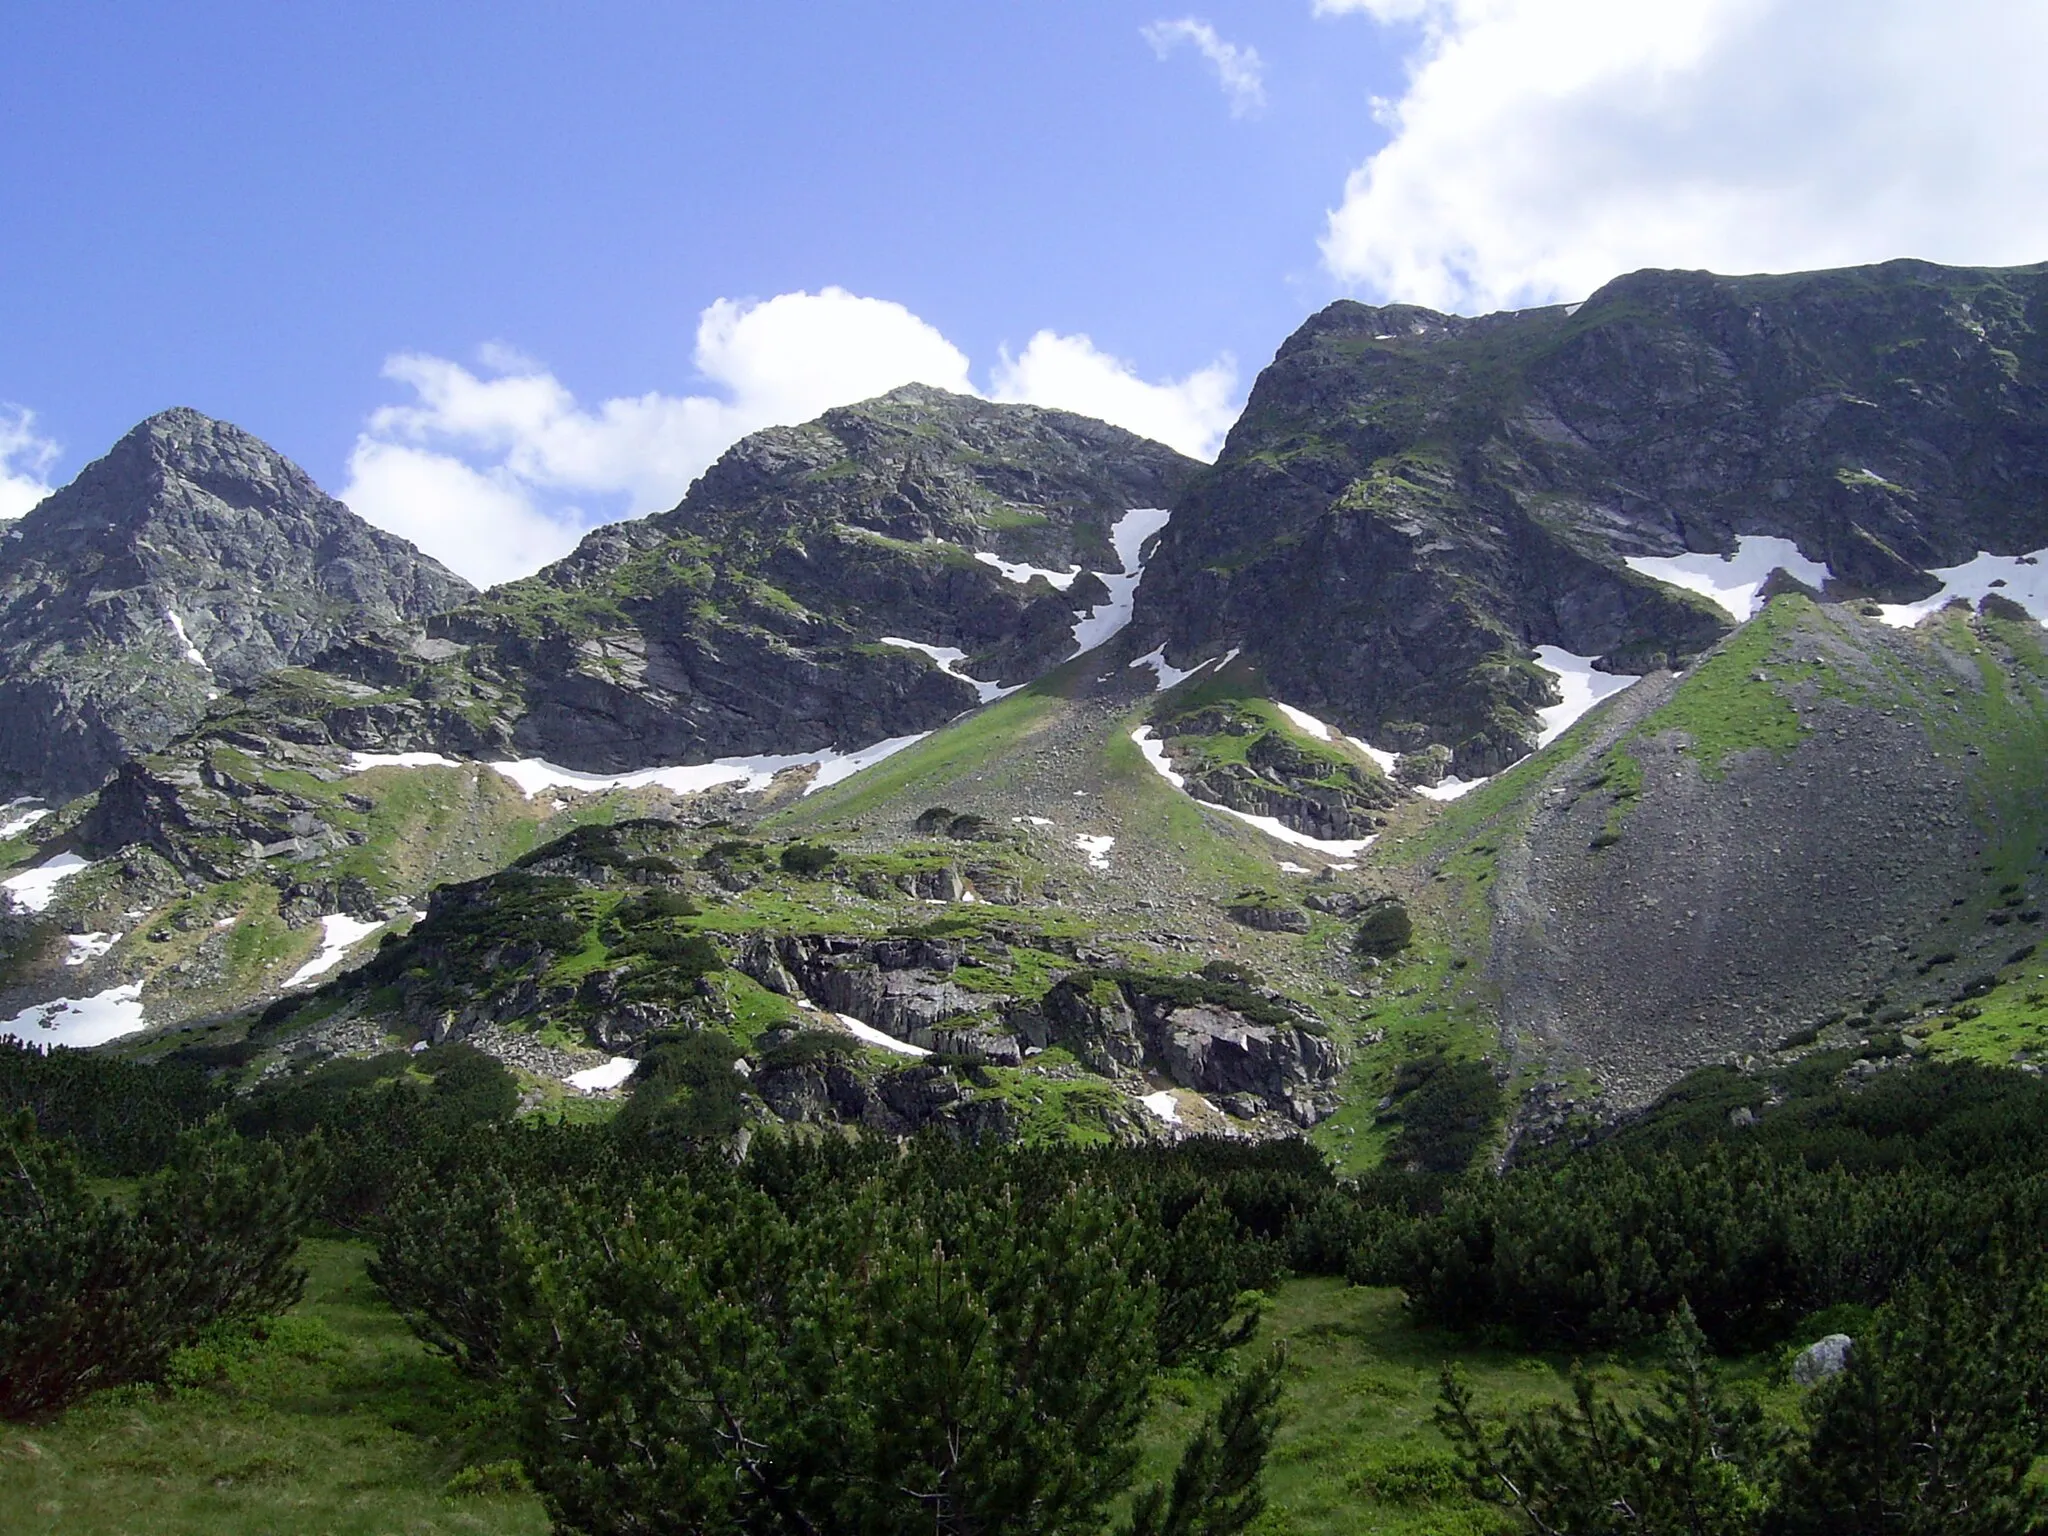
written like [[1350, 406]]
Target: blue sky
[[464, 261]]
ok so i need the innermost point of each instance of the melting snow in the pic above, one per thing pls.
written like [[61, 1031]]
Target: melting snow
[[1323, 732], [15, 824], [1734, 580], [1155, 754], [608, 1074], [863, 1030], [1293, 868], [363, 762], [1127, 538], [1164, 1105], [1581, 686], [1449, 789], [79, 1021], [192, 652], [1014, 571], [949, 660], [1169, 675], [1304, 720], [1036, 821], [338, 931], [88, 947], [1097, 849], [34, 889], [533, 775], [2025, 582]]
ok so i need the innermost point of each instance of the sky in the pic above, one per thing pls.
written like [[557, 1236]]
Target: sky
[[495, 272]]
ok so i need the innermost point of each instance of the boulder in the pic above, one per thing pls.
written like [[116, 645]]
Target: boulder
[[1822, 1359]]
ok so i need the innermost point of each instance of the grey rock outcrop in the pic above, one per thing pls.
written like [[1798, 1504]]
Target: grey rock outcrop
[[1822, 1359], [190, 560], [1412, 500]]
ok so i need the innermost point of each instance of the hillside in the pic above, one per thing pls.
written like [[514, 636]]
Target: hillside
[[192, 559]]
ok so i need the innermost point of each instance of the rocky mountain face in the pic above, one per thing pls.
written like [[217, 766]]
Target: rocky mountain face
[[757, 616], [190, 560], [1212, 878], [1412, 500]]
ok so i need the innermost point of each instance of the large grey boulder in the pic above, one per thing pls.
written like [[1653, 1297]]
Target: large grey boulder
[[1822, 1359]]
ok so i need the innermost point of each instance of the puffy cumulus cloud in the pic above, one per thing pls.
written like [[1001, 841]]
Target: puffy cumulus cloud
[[478, 468], [1544, 146], [1239, 69], [26, 459], [1071, 372], [490, 469]]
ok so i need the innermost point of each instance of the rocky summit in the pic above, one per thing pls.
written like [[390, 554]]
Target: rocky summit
[[1412, 501], [868, 575], [192, 559], [1524, 715]]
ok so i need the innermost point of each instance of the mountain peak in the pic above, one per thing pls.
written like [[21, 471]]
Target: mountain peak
[[197, 546]]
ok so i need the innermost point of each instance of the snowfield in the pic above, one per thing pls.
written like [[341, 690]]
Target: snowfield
[[1733, 581], [949, 659], [2022, 579], [79, 1021], [34, 889], [535, 775], [1127, 538], [338, 934]]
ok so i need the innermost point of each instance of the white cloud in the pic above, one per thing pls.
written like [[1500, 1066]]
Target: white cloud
[[484, 469], [1544, 146], [1190, 414], [26, 459], [1239, 70]]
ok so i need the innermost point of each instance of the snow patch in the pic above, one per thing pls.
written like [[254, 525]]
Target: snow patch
[[84, 948], [363, 762], [1016, 571], [1734, 580], [20, 816], [192, 652], [1324, 732], [1292, 868], [1127, 538], [1305, 721], [1164, 1105], [1097, 848], [1450, 788], [862, 1030], [1272, 826], [949, 660], [753, 774], [338, 933], [1035, 821], [608, 1074], [2024, 578], [1581, 686], [34, 889], [1155, 754], [1169, 675], [79, 1021]]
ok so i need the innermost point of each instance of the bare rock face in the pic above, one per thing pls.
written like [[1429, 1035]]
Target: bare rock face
[[191, 560], [751, 619], [1413, 500]]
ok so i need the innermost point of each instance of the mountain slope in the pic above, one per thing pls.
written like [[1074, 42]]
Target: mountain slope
[[783, 606], [189, 560], [1411, 500]]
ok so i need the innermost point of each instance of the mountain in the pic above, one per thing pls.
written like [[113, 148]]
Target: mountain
[[865, 576], [1412, 501], [189, 560], [1522, 714]]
